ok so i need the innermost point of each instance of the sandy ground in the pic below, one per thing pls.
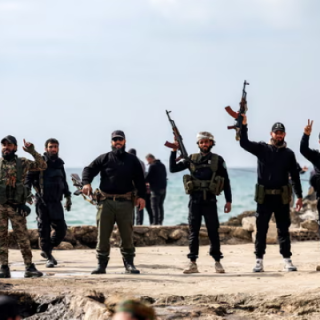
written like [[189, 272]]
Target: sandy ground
[[161, 272]]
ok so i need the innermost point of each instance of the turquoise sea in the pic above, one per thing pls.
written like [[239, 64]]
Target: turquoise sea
[[176, 210]]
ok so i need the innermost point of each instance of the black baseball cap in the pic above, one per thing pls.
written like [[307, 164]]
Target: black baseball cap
[[118, 134], [10, 139], [278, 126]]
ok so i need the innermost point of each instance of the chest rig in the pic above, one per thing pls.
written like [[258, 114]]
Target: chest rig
[[192, 184]]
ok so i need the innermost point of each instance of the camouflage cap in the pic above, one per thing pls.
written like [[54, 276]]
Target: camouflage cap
[[204, 135], [10, 139], [137, 309]]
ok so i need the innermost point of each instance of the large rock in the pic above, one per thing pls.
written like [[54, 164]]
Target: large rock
[[176, 234], [236, 221], [64, 246], [241, 233], [249, 223], [310, 225]]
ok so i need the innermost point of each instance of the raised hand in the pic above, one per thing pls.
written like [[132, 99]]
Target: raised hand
[[28, 146], [308, 128]]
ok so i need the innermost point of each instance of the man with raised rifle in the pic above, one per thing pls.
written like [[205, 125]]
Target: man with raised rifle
[[208, 178], [120, 173], [273, 190], [314, 157]]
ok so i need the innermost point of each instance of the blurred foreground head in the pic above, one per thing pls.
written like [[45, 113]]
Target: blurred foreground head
[[9, 309], [134, 310]]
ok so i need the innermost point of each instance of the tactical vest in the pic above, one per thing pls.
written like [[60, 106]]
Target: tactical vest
[[192, 184], [17, 194]]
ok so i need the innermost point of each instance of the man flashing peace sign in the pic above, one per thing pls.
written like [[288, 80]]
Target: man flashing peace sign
[[314, 157]]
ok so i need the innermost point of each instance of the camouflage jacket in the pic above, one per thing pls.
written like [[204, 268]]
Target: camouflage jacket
[[8, 170]]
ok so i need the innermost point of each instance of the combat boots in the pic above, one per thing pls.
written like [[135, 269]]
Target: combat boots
[[129, 266], [102, 266], [5, 271], [32, 272]]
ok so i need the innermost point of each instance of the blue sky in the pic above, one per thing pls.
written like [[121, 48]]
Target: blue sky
[[77, 70]]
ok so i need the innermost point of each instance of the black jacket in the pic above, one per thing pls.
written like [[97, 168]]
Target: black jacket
[[204, 173], [54, 181], [157, 176], [314, 157], [119, 174], [274, 164]]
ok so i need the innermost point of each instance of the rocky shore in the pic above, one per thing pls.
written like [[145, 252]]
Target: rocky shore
[[237, 230], [70, 292]]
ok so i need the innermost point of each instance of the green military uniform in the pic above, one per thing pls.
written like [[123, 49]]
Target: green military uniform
[[13, 194]]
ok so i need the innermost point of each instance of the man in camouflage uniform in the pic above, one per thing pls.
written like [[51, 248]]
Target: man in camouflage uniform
[[13, 196]]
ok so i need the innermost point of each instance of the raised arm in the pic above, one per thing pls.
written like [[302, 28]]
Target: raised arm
[[38, 163], [245, 143], [311, 155]]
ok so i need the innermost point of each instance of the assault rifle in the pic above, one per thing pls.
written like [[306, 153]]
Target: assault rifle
[[93, 198], [243, 109], [178, 138]]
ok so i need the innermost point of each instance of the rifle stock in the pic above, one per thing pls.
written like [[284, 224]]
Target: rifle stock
[[170, 145], [232, 113]]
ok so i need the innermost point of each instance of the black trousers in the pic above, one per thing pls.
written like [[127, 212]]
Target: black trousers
[[207, 209], [46, 221], [157, 200], [139, 217], [273, 204], [148, 208]]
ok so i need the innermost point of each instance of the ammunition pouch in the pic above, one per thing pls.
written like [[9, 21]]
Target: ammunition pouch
[[259, 194], [285, 192], [188, 184], [214, 186]]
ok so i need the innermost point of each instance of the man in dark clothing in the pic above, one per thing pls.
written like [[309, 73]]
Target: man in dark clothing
[[121, 174], [314, 157], [157, 179], [139, 213], [209, 177], [273, 190], [51, 185]]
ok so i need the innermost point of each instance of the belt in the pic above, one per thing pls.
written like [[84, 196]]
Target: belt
[[273, 191], [115, 198]]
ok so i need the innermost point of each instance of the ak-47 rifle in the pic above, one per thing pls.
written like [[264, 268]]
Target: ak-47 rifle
[[178, 138], [238, 116], [93, 198]]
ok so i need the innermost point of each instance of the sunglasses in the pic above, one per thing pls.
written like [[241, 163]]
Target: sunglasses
[[117, 139]]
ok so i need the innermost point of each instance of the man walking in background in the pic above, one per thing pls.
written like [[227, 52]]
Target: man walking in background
[[157, 179]]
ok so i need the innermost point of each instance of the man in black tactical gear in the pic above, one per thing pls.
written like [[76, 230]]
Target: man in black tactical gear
[[209, 177], [51, 185], [121, 174], [314, 157], [273, 190]]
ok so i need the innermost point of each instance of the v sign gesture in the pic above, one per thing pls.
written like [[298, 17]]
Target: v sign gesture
[[308, 128]]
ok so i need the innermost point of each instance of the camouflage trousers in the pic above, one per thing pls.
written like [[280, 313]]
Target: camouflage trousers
[[19, 226]]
